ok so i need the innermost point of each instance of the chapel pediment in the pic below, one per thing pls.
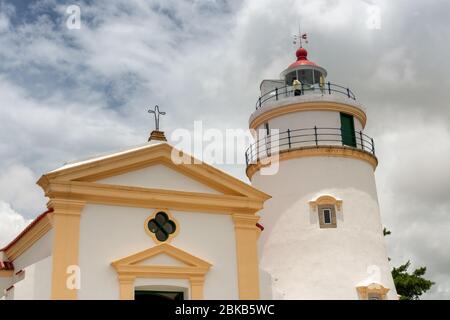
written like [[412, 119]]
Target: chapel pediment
[[161, 259], [161, 164]]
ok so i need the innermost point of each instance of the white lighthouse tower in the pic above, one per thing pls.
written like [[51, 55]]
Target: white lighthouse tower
[[322, 235]]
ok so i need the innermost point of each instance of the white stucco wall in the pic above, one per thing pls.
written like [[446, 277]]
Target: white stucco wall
[[265, 285], [35, 282], [308, 119], [9, 295], [43, 279], [5, 283], [109, 233], [38, 251], [158, 176], [273, 104], [305, 261], [24, 288], [268, 85]]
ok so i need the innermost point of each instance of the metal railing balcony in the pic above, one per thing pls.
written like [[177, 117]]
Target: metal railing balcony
[[303, 89], [308, 137]]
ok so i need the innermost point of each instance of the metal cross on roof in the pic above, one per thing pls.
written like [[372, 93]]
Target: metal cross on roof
[[157, 113]]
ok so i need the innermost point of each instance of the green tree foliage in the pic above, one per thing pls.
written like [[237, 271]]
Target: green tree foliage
[[410, 286]]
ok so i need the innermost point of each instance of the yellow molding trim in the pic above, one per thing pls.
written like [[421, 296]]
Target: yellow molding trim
[[66, 224], [217, 180], [154, 154], [153, 235], [364, 291], [6, 273], [326, 200], [128, 269], [197, 284], [173, 272], [30, 238], [152, 198], [66, 206], [245, 221], [315, 151], [247, 235], [166, 248], [307, 106], [126, 286]]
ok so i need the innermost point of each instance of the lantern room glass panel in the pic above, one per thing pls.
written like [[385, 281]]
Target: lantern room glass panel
[[290, 78], [305, 76]]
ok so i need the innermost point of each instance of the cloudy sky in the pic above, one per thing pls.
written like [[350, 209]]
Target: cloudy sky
[[67, 94]]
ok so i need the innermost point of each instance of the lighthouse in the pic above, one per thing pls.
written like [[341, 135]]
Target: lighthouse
[[322, 236]]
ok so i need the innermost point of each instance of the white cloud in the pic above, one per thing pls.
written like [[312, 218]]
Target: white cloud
[[18, 186], [11, 223], [4, 23], [413, 181], [55, 128]]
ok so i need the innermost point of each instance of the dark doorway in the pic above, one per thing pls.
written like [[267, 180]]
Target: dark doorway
[[149, 295], [348, 130]]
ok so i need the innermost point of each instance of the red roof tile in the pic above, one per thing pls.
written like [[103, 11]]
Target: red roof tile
[[6, 265]]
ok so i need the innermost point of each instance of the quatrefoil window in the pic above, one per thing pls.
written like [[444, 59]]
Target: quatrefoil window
[[161, 226]]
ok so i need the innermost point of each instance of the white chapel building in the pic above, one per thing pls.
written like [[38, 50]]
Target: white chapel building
[[136, 225]]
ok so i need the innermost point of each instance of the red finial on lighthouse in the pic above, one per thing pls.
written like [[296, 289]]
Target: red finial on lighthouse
[[301, 54], [302, 59]]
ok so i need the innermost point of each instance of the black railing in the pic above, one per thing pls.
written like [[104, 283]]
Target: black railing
[[308, 137], [302, 89]]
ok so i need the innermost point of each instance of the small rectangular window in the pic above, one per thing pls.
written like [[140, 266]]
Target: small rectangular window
[[266, 126], [327, 216]]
